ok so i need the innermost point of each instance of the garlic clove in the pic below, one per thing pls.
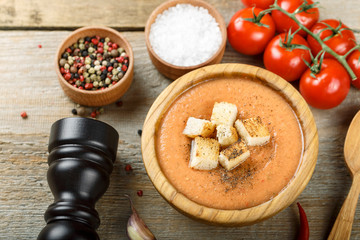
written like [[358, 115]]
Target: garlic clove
[[136, 228]]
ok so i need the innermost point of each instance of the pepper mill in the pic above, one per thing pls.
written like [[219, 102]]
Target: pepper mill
[[81, 156]]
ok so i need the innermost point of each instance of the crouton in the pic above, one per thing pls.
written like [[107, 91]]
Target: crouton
[[198, 127], [234, 155], [204, 153], [253, 131], [224, 113], [226, 135]]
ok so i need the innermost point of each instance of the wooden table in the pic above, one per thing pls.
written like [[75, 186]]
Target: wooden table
[[28, 83]]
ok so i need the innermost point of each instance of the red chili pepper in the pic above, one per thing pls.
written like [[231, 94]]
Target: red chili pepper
[[304, 225]]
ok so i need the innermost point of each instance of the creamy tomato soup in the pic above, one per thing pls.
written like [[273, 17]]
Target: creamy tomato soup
[[262, 176]]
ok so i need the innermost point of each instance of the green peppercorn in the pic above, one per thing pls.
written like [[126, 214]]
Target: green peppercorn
[[115, 65], [78, 83], [81, 46], [107, 81], [107, 39], [66, 66], [121, 50], [87, 66], [91, 70], [101, 84], [93, 77], [81, 40], [95, 83], [86, 74], [91, 49], [87, 80], [114, 71], [97, 62], [104, 63], [98, 72]]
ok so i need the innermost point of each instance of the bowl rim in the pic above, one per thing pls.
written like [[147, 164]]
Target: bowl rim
[[219, 216], [170, 3], [94, 28]]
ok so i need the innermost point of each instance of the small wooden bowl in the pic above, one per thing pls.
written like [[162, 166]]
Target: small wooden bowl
[[172, 71], [99, 97], [218, 216]]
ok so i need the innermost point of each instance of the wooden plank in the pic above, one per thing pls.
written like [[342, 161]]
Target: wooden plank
[[124, 14], [28, 83]]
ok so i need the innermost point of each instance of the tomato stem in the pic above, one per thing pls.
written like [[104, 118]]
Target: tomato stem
[[326, 48]]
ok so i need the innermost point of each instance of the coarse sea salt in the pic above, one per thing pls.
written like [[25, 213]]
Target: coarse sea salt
[[185, 35]]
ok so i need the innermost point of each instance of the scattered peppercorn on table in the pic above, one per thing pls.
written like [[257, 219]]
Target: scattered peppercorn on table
[[32, 99]]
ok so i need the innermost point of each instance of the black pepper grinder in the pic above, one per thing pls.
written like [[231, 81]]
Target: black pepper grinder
[[81, 156]]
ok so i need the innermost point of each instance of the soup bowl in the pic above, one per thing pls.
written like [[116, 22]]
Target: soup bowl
[[219, 215]]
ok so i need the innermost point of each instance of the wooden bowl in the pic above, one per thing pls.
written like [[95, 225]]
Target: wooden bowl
[[99, 97], [230, 217], [172, 71]]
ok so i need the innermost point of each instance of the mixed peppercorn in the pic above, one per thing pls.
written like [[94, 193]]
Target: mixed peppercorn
[[93, 63]]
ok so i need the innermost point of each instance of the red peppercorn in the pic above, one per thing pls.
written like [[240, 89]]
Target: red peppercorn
[[100, 50], [97, 37], [110, 49], [120, 59], [126, 60], [110, 69], [39, 46], [88, 86], [67, 71], [140, 193], [119, 103], [114, 46], [67, 76], [128, 168], [68, 50], [123, 68], [100, 44], [24, 115], [109, 44], [113, 83], [95, 41], [62, 70], [81, 78], [93, 114]]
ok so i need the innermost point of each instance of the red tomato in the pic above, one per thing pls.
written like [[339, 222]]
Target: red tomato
[[248, 37], [286, 62], [263, 4], [307, 18], [341, 42], [354, 63], [329, 88]]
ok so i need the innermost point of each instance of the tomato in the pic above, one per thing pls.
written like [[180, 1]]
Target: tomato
[[329, 87], [248, 37], [263, 4], [354, 63], [307, 18], [286, 62], [341, 42]]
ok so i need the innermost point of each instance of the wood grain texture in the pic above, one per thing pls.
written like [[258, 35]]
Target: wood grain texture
[[169, 70], [344, 221], [29, 82], [230, 217]]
